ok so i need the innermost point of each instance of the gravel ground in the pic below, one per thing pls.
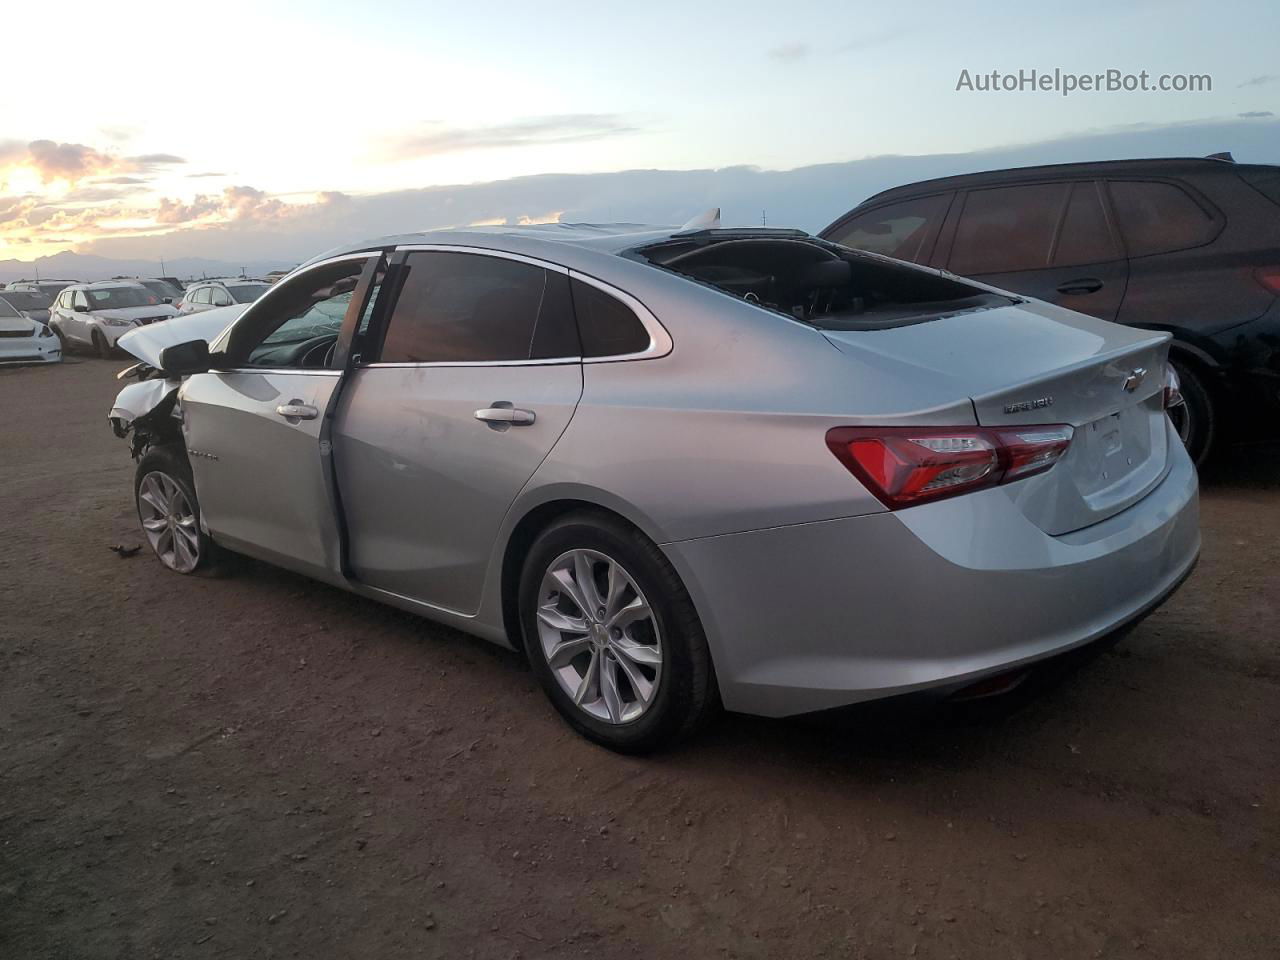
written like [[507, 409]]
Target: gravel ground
[[260, 766]]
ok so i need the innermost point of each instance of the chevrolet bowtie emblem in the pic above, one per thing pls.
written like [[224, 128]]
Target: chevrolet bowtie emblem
[[1134, 380]]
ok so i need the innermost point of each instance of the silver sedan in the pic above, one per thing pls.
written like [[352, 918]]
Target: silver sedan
[[677, 469]]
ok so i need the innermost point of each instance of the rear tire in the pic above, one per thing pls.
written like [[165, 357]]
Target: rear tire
[[653, 682], [100, 346], [1196, 418], [169, 513]]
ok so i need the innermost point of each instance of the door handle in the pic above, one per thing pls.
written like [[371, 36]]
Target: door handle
[[1082, 285], [506, 415], [296, 410]]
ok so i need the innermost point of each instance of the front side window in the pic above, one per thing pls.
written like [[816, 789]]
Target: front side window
[[219, 297], [1005, 229], [899, 230], [1159, 217], [79, 300], [6, 308], [474, 308], [298, 325]]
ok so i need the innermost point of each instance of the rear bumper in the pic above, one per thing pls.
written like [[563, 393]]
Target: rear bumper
[[813, 616]]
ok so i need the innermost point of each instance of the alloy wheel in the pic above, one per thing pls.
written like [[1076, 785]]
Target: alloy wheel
[[1180, 416], [169, 522], [599, 636]]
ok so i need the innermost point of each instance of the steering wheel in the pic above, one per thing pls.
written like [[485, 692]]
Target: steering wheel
[[311, 353]]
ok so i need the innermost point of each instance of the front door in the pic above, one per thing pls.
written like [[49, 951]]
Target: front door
[[476, 377], [254, 424]]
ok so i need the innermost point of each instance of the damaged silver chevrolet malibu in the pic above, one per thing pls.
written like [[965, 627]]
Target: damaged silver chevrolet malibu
[[677, 468]]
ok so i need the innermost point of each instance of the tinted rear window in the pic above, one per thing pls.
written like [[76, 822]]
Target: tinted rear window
[[1006, 229], [469, 308], [1084, 237], [607, 326], [1159, 217]]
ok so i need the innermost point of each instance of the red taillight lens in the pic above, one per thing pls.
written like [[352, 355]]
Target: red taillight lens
[[1269, 277], [905, 466]]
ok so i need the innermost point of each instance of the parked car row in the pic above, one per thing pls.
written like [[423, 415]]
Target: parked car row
[[93, 316]]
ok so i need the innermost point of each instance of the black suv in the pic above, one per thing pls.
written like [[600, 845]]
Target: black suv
[[1191, 246]]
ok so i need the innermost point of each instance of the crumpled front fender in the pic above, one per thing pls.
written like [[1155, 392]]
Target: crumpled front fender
[[137, 400]]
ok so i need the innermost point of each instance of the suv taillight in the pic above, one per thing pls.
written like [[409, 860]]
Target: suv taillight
[[906, 466], [1269, 277]]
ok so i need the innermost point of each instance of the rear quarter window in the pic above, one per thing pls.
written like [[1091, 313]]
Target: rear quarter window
[[606, 325], [1157, 217]]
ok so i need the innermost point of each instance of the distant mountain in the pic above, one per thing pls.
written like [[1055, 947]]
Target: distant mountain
[[82, 266]]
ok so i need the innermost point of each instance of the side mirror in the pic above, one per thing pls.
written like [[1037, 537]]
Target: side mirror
[[167, 300], [81, 308], [184, 359]]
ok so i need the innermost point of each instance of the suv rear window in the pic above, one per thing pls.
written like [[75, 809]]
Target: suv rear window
[[1159, 217], [815, 282]]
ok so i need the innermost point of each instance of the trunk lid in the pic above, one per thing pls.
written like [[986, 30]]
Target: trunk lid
[[1033, 363]]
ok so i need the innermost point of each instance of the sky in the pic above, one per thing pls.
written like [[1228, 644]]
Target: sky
[[171, 129]]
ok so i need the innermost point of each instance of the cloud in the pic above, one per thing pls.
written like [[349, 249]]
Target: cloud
[[1248, 114], [66, 161], [790, 52], [1261, 80], [196, 176], [74, 162], [535, 131], [124, 180], [234, 203]]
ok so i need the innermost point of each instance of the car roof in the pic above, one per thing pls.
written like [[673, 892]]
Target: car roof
[[564, 243], [1150, 167], [106, 284], [1153, 167]]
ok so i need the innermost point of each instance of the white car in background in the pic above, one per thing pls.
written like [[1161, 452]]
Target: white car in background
[[24, 340], [97, 314], [209, 294]]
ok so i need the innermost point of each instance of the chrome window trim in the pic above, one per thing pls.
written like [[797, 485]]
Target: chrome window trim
[[659, 340], [306, 372], [483, 252]]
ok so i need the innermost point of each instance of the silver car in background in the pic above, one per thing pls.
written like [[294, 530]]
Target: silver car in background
[[96, 315], [24, 339], [212, 294], [678, 468]]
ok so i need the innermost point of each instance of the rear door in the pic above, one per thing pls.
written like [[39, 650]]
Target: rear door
[[441, 424], [1053, 241], [255, 425]]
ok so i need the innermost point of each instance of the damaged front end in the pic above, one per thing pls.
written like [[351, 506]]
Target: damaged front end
[[146, 412]]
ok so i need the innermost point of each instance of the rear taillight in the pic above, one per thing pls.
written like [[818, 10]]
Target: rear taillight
[[1172, 389], [1269, 277], [905, 466]]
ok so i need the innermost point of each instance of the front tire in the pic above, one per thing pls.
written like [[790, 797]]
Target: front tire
[[1195, 419], [169, 512], [612, 635]]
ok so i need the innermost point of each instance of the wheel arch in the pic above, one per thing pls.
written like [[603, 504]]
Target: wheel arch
[[536, 518]]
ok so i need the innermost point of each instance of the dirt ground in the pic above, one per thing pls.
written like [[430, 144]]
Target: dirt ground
[[260, 766]]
